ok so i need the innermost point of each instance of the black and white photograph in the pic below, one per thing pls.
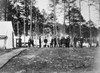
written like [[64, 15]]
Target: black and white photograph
[[49, 36]]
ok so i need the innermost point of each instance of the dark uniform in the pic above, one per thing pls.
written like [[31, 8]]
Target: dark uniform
[[63, 41], [67, 42], [30, 42], [54, 42], [51, 43], [81, 42], [45, 41], [40, 42]]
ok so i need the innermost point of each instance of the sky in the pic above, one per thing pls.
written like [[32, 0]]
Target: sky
[[44, 4]]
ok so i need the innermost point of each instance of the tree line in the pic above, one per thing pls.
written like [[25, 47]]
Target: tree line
[[19, 13]]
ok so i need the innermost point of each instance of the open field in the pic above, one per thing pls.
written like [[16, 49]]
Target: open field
[[52, 60]]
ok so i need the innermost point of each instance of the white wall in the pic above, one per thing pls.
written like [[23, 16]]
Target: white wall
[[7, 29]]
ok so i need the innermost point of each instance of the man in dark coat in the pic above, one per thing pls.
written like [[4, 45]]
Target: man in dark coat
[[45, 41], [81, 42], [40, 42], [63, 41], [30, 42], [54, 42], [67, 42], [51, 43]]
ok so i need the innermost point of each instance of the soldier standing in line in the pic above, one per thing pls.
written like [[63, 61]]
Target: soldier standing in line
[[40, 41], [68, 41], [63, 41], [81, 42], [30, 42], [54, 42], [75, 41], [45, 41], [51, 43]]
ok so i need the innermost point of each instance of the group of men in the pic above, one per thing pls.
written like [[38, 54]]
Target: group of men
[[60, 42], [57, 42], [78, 42]]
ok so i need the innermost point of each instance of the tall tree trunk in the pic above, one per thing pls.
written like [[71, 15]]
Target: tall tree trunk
[[64, 19], [99, 9], [55, 25], [36, 25], [89, 18], [24, 28], [24, 31], [31, 20], [17, 22], [80, 16], [6, 10], [55, 17], [69, 18]]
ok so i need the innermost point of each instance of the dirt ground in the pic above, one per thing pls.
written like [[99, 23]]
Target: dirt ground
[[52, 60]]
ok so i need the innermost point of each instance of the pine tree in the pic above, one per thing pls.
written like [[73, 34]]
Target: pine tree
[[18, 11]]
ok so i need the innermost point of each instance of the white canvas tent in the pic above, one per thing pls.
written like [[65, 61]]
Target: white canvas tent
[[6, 29]]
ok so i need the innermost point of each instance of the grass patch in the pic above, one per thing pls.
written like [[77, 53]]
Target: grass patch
[[54, 59]]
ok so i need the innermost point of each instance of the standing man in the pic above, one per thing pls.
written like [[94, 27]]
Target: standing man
[[75, 41], [45, 41], [68, 41], [55, 42], [81, 42], [30, 42], [40, 41]]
